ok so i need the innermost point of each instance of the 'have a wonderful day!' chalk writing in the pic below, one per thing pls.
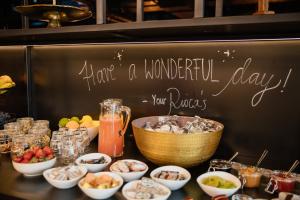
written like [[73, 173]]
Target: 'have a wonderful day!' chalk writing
[[195, 69]]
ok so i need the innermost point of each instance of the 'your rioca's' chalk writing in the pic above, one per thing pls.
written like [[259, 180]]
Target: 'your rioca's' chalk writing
[[175, 101], [180, 68], [100, 76], [264, 81]]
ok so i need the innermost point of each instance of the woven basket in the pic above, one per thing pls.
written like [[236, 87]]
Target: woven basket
[[184, 150]]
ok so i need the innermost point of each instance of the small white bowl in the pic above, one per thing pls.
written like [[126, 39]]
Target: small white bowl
[[213, 191], [64, 184], [102, 193], [94, 167], [33, 169], [133, 184], [130, 176], [172, 184]]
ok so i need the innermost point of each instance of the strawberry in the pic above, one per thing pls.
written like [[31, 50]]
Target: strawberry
[[40, 154], [34, 149], [17, 159], [25, 161], [28, 155], [47, 150]]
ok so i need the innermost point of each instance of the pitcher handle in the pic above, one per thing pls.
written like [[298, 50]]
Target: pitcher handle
[[126, 119], [272, 186], [243, 180]]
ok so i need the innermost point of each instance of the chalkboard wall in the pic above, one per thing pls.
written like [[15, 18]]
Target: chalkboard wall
[[249, 86]]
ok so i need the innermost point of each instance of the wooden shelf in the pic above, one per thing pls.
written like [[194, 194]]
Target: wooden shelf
[[251, 26]]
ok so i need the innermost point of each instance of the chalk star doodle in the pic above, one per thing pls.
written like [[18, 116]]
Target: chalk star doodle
[[119, 56], [228, 53]]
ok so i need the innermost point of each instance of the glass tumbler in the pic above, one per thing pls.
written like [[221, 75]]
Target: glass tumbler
[[85, 136], [69, 148], [18, 146]]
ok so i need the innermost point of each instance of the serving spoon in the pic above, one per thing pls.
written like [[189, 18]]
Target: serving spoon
[[293, 167], [263, 155], [235, 155]]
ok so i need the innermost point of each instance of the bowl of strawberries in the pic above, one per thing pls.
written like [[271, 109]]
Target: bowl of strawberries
[[33, 161]]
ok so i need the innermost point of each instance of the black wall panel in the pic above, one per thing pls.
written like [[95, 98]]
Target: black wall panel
[[12, 63]]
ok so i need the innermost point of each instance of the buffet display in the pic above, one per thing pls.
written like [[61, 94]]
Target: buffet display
[[175, 142]]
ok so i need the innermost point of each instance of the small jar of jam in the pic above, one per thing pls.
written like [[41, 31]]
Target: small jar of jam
[[250, 176], [219, 165], [281, 181]]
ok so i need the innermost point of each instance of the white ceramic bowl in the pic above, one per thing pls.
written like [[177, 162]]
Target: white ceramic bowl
[[102, 193], [132, 184], [172, 184], [94, 167], [33, 169], [130, 176], [64, 184], [213, 191], [93, 131]]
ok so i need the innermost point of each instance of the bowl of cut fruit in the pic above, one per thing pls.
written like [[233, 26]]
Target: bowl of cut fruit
[[34, 160], [101, 185]]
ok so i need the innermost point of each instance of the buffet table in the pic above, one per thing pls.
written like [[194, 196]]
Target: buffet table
[[15, 186]]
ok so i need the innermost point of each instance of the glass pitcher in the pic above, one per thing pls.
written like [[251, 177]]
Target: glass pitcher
[[114, 118]]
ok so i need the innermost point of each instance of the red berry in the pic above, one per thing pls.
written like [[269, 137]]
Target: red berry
[[47, 150], [25, 161], [40, 154], [35, 149], [17, 159], [28, 155]]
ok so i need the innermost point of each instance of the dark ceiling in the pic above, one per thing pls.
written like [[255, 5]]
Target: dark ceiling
[[125, 10]]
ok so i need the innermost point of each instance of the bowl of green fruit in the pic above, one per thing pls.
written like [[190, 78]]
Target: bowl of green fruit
[[219, 183]]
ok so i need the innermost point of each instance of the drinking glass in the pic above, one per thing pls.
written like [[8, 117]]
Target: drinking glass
[[85, 136], [18, 145], [57, 135], [69, 148], [79, 142], [56, 145]]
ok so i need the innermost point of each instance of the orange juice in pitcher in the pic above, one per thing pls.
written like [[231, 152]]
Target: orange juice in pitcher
[[114, 118]]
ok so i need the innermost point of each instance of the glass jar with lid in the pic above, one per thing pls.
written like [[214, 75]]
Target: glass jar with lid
[[25, 123], [5, 141]]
